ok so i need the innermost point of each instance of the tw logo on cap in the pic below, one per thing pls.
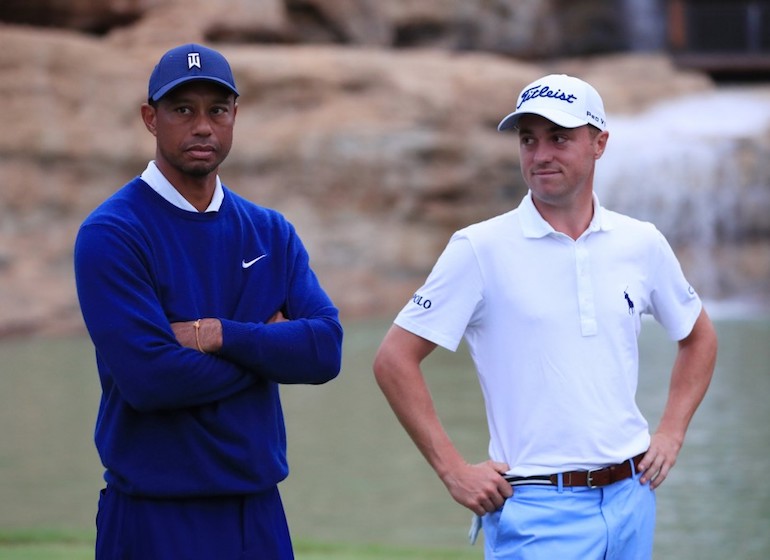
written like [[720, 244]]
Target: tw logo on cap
[[193, 60]]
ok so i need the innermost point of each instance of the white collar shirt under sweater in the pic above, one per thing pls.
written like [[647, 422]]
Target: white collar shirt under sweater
[[552, 326], [153, 177]]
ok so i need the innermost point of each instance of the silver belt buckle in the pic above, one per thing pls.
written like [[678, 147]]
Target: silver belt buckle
[[590, 480]]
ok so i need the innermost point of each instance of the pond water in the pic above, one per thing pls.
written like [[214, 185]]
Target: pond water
[[357, 477]]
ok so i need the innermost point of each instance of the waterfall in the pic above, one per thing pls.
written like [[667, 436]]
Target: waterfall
[[699, 168]]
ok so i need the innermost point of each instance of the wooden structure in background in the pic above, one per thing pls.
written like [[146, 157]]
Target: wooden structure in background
[[723, 37]]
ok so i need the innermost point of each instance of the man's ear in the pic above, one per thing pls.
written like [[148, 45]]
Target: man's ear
[[600, 143], [149, 117]]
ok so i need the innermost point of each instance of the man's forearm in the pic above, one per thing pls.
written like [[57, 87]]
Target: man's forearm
[[690, 377]]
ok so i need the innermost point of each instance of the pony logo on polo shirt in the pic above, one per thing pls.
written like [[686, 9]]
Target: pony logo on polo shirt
[[629, 302], [544, 91]]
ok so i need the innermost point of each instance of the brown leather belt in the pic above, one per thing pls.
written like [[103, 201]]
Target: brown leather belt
[[592, 479]]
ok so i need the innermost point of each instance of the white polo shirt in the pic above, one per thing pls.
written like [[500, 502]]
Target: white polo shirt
[[552, 326]]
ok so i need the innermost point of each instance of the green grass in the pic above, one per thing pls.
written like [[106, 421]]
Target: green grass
[[317, 551], [46, 545], [59, 545]]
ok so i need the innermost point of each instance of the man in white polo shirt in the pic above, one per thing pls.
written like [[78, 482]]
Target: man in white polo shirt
[[549, 298]]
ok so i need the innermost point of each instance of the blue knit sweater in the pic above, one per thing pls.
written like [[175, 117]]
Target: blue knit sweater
[[173, 421]]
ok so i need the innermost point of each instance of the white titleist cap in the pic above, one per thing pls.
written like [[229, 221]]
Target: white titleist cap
[[564, 100]]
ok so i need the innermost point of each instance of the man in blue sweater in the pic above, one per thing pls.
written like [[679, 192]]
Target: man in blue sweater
[[199, 304]]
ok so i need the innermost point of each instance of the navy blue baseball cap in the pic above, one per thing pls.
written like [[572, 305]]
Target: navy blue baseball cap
[[187, 63]]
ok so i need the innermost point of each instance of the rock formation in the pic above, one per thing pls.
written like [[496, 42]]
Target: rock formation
[[376, 153]]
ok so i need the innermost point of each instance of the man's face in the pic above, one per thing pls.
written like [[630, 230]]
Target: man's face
[[193, 125], [558, 163]]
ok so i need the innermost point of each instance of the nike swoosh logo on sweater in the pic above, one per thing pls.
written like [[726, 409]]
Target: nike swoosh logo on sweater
[[245, 264]]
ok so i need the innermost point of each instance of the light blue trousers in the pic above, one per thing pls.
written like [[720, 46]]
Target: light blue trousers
[[616, 522]]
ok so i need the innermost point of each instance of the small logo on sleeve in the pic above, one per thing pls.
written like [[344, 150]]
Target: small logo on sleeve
[[420, 301]]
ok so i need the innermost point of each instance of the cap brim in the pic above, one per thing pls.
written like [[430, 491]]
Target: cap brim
[[558, 117], [176, 83]]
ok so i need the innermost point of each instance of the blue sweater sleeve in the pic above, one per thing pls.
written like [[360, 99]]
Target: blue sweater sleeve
[[305, 349], [135, 346]]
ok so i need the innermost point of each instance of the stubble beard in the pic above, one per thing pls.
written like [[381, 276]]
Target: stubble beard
[[198, 169]]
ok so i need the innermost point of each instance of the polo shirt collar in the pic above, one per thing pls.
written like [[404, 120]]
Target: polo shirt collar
[[534, 226], [158, 182]]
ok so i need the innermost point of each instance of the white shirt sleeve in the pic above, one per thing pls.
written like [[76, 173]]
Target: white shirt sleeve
[[674, 303], [443, 307]]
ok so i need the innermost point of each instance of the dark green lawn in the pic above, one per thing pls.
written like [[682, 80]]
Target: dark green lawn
[[52, 545]]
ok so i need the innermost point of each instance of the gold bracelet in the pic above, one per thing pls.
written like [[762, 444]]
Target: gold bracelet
[[197, 325]]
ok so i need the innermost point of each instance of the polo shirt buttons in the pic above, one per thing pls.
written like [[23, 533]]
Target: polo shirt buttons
[[585, 292]]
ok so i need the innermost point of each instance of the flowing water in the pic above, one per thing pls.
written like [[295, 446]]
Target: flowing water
[[698, 167], [694, 165], [357, 477]]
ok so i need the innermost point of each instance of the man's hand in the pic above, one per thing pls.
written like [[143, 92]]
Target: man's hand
[[279, 317], [659, 459], [481, 487]]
